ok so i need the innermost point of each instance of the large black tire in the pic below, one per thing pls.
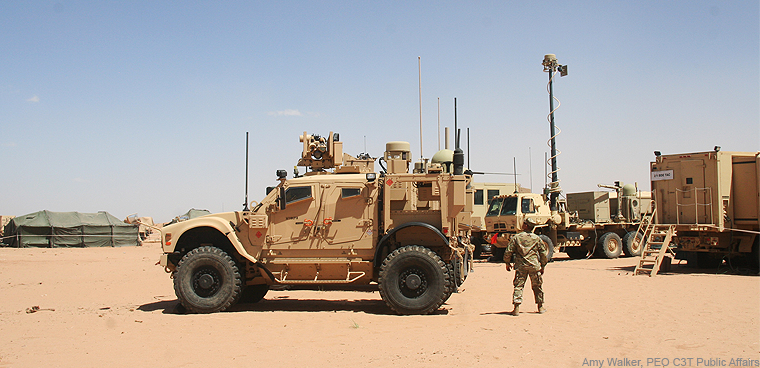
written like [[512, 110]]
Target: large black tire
[[630, 248], [207, 280], [610, 245], [549, 246], [253, 293], [454, 288], [477, 253], [414, 280], [497, 254], [707, 260], [752, 260], [576, 252]]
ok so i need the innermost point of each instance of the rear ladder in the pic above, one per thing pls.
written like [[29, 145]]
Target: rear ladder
[[657, 238]]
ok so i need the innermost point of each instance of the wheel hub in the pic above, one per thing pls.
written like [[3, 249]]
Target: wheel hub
[[612, 245], [205, 281], [413, 281]]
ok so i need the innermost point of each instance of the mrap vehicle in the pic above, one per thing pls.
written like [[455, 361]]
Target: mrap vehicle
[[341, 224]]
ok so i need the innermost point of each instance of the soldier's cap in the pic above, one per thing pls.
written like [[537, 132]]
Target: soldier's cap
[[531, 221]]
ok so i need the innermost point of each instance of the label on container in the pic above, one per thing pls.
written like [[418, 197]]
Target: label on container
[[662, 175]]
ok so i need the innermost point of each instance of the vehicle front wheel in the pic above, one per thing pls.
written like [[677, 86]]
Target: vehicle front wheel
[[207, 280], [497, 254], [414, 280], [576, 252]]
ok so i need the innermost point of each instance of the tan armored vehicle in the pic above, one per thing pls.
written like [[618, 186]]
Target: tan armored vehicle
[[340, 224], [604, 223]]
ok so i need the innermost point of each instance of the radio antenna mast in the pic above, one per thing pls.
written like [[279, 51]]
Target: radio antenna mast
[[245, 205], [419, 73]]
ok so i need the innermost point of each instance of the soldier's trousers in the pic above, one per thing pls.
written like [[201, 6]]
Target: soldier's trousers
[[521, 275]]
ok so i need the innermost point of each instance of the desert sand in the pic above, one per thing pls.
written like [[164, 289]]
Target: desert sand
[[115, 307]]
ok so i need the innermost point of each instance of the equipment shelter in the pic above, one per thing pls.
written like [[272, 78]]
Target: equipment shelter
[[69, 229]]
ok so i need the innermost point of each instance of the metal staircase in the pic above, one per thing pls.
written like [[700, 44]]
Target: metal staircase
[[656, 240]]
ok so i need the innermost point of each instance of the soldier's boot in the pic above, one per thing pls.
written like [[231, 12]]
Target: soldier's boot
[[541, 309], [516, 310]]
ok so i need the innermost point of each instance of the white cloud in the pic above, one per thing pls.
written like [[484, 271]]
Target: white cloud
[[288, 112], [33, 99]]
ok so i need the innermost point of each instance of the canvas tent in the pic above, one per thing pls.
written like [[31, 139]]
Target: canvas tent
[[69, 229], [190, 214]]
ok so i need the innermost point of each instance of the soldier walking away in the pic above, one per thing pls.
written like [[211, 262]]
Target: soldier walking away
[[530, 259]]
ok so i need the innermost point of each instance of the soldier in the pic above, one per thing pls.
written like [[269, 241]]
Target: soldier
[[531, 256]]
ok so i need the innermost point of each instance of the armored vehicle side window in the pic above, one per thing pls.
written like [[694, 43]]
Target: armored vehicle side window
[[350, 192], [492, 193], [509, 207], [494, 207], [527, 205], [479, 197], [295, 194]]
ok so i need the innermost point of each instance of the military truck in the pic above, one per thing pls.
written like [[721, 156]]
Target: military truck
[[341, 224], [602, 223], [483, 192], [713, 200]]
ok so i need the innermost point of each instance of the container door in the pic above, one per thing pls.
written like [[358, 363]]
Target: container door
[[745, 190], [694, 200]]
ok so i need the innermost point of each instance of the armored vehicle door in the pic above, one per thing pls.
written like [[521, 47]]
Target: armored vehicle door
[[347, 216], [290, 228]]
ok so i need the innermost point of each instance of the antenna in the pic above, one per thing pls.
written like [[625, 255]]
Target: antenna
[[456, 136], [439, 123], [530, 167], [514, 169], [458, 154], [468, 148], [551, 65], [245, 205], [419, 73]]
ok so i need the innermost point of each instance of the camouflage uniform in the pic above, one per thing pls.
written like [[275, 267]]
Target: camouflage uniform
[[531, 256]]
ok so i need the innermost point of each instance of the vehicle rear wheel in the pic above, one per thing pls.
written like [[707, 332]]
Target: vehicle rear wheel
[[207, 280], [610, 245], [414, 280], [753, 259], [630, 247], [576, 252], [253, 293], [549, 246], [707, 260]]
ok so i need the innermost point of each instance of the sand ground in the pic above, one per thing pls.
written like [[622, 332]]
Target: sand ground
[[114, 307]]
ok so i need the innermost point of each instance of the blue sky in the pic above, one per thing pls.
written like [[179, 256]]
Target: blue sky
[[142, 107]]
